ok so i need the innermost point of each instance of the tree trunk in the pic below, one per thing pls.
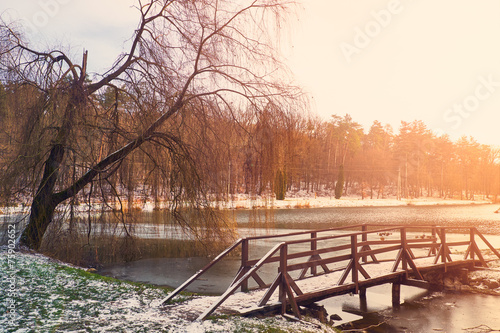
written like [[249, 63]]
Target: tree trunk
[[42, 212], [44, 202]]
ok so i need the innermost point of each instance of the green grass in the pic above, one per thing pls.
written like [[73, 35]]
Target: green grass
[[52, 297]]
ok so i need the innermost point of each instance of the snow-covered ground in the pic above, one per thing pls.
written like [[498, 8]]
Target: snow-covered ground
[[301, 199], [42, 295], [308, 200], [45, 295]]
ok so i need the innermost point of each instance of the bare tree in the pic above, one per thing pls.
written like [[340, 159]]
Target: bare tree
[[184, 55]]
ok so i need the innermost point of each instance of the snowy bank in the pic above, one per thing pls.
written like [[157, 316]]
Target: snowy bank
[[300, 199], [48, 296], [304, 199], [45, 295]]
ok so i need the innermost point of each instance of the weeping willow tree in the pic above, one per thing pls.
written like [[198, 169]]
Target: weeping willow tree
[[186, 59]]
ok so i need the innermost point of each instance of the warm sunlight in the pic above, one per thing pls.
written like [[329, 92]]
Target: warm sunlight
[[403, 60], [249, 166]]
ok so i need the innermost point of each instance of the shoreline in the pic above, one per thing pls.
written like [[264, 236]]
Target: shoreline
[[244, 202], [330, 202]]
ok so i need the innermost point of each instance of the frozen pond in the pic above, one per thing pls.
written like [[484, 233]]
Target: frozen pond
[[420, 311]]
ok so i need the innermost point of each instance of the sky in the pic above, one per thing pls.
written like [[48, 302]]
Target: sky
[[385, 60]]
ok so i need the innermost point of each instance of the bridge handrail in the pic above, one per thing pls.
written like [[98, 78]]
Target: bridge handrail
[[354, 226], [249, 268], [240, 241], [238, 283]]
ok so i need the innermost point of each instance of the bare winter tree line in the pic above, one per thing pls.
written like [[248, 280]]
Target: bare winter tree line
[[238, 151], [200, 109]]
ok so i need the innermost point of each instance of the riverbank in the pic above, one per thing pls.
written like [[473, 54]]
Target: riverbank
[[310, 200], [296, 200], [46, 295]]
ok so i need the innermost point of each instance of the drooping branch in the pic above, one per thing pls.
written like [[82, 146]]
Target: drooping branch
[[183, 55]]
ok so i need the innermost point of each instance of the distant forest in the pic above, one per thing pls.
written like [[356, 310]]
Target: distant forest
[[273, 152]]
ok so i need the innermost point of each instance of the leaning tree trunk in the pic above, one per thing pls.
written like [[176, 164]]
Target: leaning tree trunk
[[44, 202], [45, 199]]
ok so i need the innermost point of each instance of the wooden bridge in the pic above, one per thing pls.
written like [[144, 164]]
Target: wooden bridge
[[314, 265]]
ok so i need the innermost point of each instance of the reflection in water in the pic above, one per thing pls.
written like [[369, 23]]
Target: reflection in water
[[421, 311], [442, 312], [173, 272], [481, 216]]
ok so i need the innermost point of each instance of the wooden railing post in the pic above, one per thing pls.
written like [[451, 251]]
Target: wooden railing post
[[433, 249], [354, 258], [472, 243], [396, 295], [283, 270], [404, 249], [364, 238], [314, 247], [244, 263], [444, 247]]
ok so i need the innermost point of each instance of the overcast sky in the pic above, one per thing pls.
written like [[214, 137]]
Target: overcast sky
[[436, 61]]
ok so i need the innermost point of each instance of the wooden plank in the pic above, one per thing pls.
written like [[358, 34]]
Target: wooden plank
[[244, 264], [396, 295], [380, 242], [306, 265], [422, 245], [291, 298], [270, 291], [487, 243], [380, 250], [479, 254], [307, 240], [413, 242], [348, 288], [233, 288], [364, 257], [318, 251], [238, 275], [467, 252], [398, 260], [346, 272], [355, 261], [283, 286], [314, 247], [362, 270], [413, 266], [421, 240], [439, 254], [257, 279], [303, 254], [417, 283], [294, 286], [462, 243], [365, 247], [313, 259]]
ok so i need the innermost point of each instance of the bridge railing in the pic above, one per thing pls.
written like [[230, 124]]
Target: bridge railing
[[308, 252]]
